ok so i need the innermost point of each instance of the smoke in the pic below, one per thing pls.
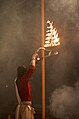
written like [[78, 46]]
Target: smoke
[[19, 38], [65, 13], [64, 102], [64, 8], [17, 31]]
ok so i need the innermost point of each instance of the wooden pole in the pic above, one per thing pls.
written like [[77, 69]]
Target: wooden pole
[[43, 61]]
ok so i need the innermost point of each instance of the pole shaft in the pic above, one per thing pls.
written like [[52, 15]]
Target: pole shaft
[[43, 61]]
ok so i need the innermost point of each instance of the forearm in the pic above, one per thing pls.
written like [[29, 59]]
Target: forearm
[[33, 61]]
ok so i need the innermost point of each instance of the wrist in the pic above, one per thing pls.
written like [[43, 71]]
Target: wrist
[[33, 58]]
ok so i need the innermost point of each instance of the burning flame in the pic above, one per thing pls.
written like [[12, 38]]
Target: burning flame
[[52, 38]]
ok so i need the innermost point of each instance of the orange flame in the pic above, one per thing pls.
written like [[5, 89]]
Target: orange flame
[[52, 38]]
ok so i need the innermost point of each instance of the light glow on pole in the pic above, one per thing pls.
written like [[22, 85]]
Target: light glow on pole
[[43, 61]]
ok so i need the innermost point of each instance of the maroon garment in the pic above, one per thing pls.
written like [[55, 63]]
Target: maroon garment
[[23, 85]]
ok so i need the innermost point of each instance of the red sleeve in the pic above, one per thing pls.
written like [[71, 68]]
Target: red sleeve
[[29, 72]]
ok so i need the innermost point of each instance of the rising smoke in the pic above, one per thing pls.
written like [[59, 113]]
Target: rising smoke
[[65, 13], [64, 102], [20, 35], [19, 38]]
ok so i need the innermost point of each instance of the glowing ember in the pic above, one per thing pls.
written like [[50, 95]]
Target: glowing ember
[[51, 36]]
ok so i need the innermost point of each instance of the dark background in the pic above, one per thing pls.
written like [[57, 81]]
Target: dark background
[[20, 37]]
